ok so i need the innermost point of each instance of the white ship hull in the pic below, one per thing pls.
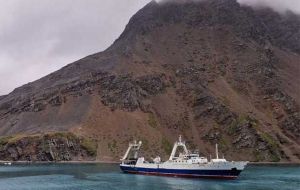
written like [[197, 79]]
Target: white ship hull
[[186, 164], [225, 170]]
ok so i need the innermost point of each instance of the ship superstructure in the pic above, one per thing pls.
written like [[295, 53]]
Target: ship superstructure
[[184, 164]]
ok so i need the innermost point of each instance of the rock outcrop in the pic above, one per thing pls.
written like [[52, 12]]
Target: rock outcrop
[[213, 71], [47, 147]]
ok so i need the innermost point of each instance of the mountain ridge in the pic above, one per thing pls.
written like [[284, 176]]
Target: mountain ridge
[[213, 71]]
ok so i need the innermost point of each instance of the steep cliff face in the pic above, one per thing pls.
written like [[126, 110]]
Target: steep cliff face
[[47, 147], [213, 71]]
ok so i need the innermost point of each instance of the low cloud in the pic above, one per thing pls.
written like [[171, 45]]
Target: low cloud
[[277, 5]]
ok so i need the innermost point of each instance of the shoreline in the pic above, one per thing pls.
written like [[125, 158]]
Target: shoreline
[[2, 162], [59, 162], [274, 163]]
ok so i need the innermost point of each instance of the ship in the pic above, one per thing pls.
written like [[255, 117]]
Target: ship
[[182, 164]]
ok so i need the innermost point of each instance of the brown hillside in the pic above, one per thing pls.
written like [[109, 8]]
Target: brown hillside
[[213, 71]]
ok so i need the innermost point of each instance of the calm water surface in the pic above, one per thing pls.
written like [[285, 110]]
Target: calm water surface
[[108, 176]]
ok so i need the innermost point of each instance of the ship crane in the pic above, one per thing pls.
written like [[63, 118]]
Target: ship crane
[[134, 147], [178, 144], [186, 165]]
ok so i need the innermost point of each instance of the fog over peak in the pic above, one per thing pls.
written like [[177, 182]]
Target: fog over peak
[[277, 5]]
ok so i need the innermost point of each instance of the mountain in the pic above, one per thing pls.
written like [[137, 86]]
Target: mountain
[[213, 71]]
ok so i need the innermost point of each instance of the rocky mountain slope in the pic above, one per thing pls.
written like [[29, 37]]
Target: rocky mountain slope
[[213, 71]]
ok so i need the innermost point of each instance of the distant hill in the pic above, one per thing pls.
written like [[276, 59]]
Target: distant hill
[[213, 71]]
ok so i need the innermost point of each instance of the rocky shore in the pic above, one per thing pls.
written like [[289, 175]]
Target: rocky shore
[[52, 147]]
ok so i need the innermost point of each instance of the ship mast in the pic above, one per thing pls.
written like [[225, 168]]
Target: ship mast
[[217, 151]]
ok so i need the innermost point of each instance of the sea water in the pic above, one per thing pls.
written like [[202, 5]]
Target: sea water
[[109, 176]]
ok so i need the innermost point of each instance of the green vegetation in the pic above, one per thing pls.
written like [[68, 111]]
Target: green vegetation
[[216, 126], [233, 127], [258, 156], [59, 135], [4, 141], [275, 157], [243, 119], [42, 141], [273, 147], [152, 121], [145, 144], [166, 145], [271, 154], [269, 139], [16, 138], [90, 146], [223, 144], [112, 146]]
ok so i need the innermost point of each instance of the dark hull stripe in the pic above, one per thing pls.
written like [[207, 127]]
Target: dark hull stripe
[[182, 175], [220, 174]]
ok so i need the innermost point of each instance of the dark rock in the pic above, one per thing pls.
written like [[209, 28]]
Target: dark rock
[[128, 93], [56, 101], [52, 147]]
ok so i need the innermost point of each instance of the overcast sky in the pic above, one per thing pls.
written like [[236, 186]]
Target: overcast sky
[[38, 37]]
